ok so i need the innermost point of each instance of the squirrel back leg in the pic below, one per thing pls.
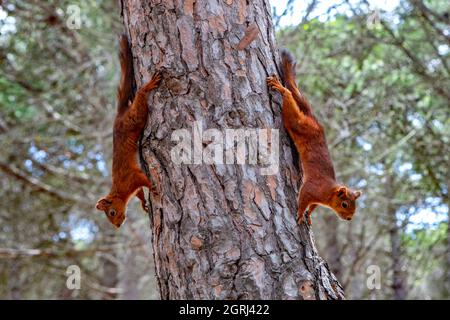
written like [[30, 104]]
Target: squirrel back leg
[[294, 119], [141, 180], [135, 117], [152, 84]]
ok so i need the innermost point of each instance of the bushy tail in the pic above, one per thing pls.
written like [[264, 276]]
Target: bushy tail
[[125, 92], [288, 64]]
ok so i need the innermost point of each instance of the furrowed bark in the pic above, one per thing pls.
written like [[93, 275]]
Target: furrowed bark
[[220, 231]]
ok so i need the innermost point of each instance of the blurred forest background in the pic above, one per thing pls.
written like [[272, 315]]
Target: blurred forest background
[[378, 76]]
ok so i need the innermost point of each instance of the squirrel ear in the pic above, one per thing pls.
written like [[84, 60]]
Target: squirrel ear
[[357, 194], [341, 191], [102, 204]]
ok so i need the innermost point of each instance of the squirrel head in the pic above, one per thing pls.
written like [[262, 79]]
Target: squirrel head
[[114, 209], [343, 202]]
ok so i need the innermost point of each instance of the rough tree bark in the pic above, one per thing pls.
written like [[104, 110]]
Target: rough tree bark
[[333, 251], [219, 231]]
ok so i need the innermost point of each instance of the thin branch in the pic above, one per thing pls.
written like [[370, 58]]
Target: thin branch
[[39, 185], [11, 253]]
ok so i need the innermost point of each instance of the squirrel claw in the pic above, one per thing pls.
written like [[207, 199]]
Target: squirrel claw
[[274, 83], [299, 218], [308, 218], [157, 77]]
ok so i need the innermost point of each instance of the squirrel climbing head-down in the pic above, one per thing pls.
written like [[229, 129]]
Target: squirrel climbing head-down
[[128, 179], [319, 181]]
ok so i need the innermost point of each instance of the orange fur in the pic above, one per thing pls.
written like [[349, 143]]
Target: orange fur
[[127, 177], [319, 182]]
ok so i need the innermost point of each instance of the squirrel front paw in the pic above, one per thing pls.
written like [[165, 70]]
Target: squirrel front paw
[[308, 218], [145, 206], [300, 215]]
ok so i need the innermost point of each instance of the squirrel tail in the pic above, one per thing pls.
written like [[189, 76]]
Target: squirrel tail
[[125, 92], [288, 64]]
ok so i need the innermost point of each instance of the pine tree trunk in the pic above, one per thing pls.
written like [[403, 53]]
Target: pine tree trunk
[[219, 231]]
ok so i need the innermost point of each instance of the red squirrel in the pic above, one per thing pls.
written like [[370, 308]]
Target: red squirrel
[[127, 176], [319, 182]]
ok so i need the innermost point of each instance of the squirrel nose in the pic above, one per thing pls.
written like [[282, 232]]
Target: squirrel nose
[[349, 219]]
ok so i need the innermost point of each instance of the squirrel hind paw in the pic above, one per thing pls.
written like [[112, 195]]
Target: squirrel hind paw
[[157, 77]]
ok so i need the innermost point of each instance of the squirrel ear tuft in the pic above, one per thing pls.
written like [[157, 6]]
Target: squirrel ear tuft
[[102, 204], [357, 194], [341, 191]]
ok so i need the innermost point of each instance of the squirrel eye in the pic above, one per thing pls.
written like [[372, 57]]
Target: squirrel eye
[[112, 212], [344, 205]]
